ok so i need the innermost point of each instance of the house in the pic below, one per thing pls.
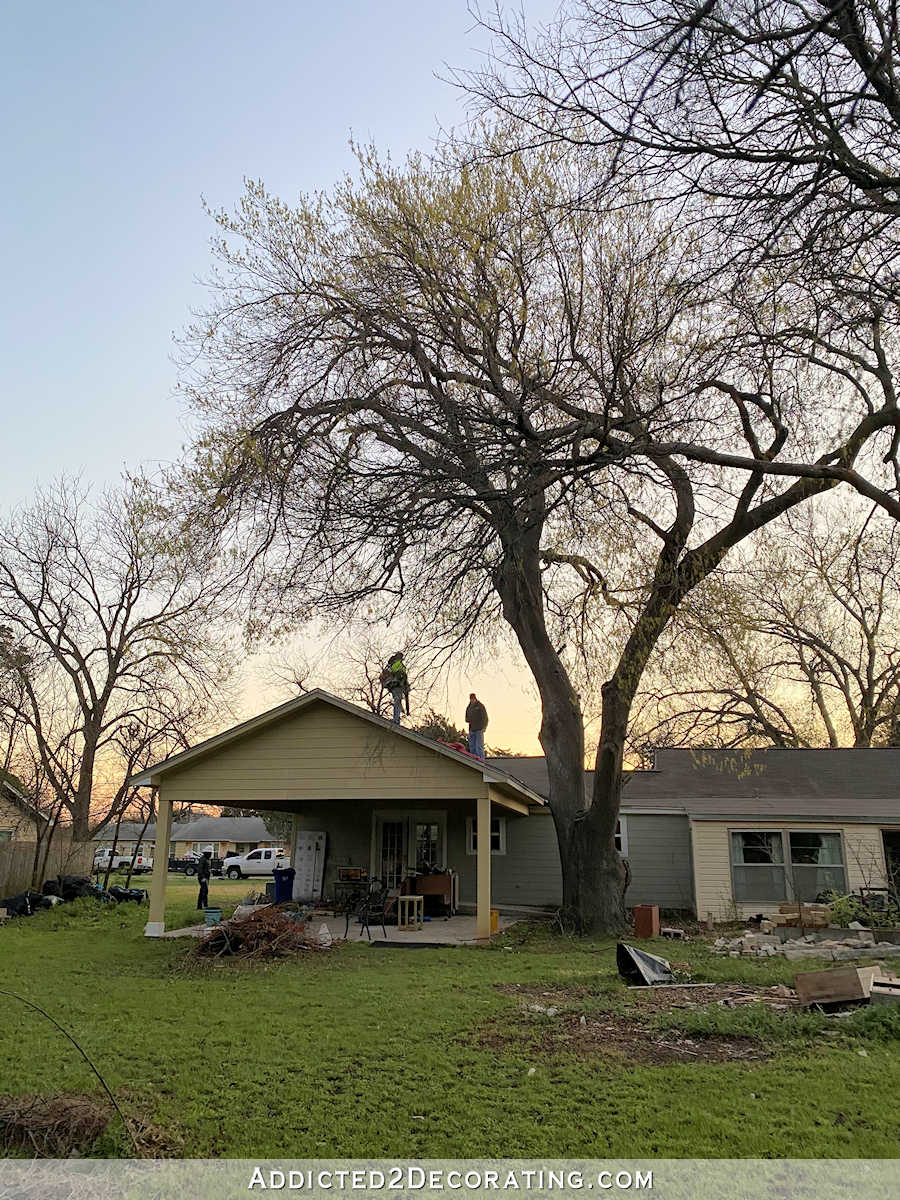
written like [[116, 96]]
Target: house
[[387, 798], [18, 817], [226, 835], [727, 833], [731, 833]]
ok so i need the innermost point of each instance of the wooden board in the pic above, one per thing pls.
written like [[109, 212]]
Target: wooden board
[[835, 986]]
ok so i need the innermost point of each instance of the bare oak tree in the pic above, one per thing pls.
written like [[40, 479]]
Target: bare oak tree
[[769, 129], [118, 657], [430, 389]]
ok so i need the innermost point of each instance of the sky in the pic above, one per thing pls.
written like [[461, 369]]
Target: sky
[[118, 119]]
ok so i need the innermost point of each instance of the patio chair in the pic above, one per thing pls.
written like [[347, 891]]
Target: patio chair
[[374, 907]]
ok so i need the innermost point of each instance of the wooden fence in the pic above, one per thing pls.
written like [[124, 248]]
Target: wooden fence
[[65, 858]]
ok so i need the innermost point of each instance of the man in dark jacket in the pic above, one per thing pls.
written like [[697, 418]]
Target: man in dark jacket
[[476, 715], [204, 871]]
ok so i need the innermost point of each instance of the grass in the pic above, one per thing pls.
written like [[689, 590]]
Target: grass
[[364, 1052]]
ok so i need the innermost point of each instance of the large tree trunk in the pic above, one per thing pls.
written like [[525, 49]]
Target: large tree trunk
[[592, 871]]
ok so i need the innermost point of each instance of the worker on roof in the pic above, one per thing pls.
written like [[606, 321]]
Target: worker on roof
[[476, 715], [395, 681]]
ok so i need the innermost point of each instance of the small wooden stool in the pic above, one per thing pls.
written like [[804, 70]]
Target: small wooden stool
[[410, 912]]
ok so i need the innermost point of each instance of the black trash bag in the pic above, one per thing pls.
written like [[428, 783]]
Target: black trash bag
[[38, 901], [639, 967], [51, 887], [73, 887], [122, 895], [17, 906]]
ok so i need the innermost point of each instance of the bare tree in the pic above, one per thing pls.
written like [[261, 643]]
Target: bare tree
[[799, 647], [769, 130], [432, 389], [118, 654], [777, 122]]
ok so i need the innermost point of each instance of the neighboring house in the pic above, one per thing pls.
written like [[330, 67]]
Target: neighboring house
[[720, 832], [226, 835], [18, 818], [129, 832]]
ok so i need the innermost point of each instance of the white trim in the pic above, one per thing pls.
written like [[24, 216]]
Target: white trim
[[470, 835], [623, 834]]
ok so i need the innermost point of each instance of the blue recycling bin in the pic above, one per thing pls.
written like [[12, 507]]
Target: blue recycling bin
[[284, 884]]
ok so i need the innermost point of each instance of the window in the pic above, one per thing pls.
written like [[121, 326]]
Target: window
[[621, 837], [498, 835], [817, 864], [254, 855], [428, 841], [6, 835], [773, 865], [757, 865]]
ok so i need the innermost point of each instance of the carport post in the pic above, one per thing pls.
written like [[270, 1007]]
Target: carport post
[[483, 867], [156, 925]]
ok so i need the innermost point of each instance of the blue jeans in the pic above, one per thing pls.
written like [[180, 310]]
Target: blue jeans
[[397, 697], [476, 742]]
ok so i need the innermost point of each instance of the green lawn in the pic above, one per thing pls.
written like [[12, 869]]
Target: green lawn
[[379, 1052]]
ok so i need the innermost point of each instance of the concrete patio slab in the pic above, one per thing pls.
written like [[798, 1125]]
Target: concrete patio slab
[[455, 931]]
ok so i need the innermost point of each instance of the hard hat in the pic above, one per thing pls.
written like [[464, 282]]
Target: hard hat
[[207, 850]]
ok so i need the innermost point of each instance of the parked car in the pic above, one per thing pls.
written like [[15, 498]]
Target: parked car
[[121, 861], [256, 862], [188, 865]]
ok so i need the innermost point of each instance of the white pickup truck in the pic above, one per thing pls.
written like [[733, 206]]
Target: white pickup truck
[[256, 862], [121, 861]]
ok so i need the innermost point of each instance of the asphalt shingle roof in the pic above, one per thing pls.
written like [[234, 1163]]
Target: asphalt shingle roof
[[851, 784]]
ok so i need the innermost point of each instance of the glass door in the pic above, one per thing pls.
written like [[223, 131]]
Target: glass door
[[392, 852]]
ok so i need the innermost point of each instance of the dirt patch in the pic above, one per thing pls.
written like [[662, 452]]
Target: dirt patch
[[729, 995], [614, 1036], [551, 1020], [51, 1126]]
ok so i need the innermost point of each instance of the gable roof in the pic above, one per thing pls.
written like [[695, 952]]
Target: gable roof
[[844, 784], [200, 829], [10, 788], [490, 773]]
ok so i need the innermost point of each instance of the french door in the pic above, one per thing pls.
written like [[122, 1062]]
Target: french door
[[403, 842]]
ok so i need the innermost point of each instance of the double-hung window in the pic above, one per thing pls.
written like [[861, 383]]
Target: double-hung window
[[498, 835], [774, 864]]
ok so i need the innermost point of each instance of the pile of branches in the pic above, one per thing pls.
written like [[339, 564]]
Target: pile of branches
[[270, 933], [51, 1126]]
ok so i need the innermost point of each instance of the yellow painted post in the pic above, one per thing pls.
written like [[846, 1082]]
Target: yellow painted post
[[156, 925], [483, 868]]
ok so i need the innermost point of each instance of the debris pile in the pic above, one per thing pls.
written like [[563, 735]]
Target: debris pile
[[269, 932], [860, 943], [51, 1126]]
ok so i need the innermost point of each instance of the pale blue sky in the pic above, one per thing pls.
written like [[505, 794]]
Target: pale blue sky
[[117, 117]]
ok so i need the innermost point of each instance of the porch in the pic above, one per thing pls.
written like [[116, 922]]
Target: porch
[[370, 800]]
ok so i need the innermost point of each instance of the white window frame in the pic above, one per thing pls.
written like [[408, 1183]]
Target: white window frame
[[470, 836], [786, 865], [622, 835]]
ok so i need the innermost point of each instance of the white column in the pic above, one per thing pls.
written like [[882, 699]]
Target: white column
[[483, 867], [156, 925]]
